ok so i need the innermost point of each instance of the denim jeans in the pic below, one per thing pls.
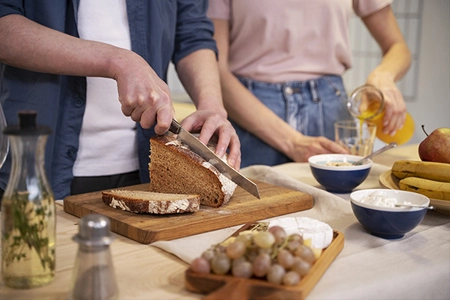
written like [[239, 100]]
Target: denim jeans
[[310, 107]]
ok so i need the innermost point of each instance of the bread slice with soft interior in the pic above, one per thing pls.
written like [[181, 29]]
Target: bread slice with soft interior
[[150, 202], [174, 168]]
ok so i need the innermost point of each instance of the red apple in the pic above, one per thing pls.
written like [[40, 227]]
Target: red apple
[[436, 146]]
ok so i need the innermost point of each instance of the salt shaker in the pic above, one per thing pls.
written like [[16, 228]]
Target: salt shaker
[[93, 276]]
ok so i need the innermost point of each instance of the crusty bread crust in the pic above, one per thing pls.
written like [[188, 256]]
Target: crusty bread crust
[[174, 168], [153, 203]]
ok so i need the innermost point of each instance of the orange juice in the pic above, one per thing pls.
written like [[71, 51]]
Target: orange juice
[[367, 104]]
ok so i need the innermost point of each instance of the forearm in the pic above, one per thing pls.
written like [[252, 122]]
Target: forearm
[[252, 115], [395, 62], [199, 74], [394, 65], [200, 77], [142, 94], [29, 45], [396, 55]]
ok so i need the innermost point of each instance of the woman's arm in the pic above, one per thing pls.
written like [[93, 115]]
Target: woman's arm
[[394, 65], [251, 114], [200, 76]]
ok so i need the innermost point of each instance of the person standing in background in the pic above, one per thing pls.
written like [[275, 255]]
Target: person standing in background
[[280, 68], [95, 73]]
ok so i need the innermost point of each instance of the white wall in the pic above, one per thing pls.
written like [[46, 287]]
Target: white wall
[[432, 106]]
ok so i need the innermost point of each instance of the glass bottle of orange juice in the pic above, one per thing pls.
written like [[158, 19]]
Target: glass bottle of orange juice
[[367, 104]]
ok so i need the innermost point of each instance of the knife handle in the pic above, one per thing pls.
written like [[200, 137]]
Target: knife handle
[[175, 127]]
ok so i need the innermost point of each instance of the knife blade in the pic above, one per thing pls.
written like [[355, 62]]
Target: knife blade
[[207, 154]]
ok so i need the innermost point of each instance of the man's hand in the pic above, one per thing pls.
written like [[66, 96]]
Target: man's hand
[[143, 95]]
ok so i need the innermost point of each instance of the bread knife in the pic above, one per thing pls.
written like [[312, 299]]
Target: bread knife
[[206, 153]]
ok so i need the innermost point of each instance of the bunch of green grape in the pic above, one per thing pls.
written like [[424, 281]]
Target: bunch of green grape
[[271, 255]]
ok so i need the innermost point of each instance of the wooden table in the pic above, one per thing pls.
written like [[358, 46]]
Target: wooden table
[[146, 272], [401, 152], [143, 272]]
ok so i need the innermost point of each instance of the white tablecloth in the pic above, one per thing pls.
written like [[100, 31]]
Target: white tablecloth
[[414, 267]]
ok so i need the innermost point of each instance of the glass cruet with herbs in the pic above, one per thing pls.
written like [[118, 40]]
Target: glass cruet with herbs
[[28, 209]]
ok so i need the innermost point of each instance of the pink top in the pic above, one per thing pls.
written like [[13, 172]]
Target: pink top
[[288, 40]]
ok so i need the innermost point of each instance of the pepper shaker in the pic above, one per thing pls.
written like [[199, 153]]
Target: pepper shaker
[[93, 276]]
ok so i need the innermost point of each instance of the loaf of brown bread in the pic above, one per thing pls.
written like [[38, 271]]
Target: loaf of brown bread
[[153, 203], [174, 168]]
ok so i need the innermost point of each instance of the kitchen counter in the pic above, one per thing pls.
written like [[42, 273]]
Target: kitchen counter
[[415, 267]]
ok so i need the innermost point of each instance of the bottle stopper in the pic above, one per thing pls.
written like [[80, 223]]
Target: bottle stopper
[[27, 125]]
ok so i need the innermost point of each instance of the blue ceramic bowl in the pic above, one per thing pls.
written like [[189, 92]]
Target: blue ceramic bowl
[[338, 179], [388, 222]]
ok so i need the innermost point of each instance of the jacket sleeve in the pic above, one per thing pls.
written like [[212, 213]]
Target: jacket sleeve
[[50, 13], [194, 31], [9, 7]]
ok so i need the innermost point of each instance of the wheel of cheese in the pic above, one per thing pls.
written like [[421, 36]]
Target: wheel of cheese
[[320, 233]]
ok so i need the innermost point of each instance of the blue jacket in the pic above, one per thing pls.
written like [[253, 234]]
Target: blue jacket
[[161, 31]]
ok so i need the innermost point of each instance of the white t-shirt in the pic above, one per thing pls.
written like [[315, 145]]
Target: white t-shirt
[[108, 143], [289, 40]]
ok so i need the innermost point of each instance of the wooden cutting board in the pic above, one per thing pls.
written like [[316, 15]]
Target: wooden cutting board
[[228, 287], [147, 228]]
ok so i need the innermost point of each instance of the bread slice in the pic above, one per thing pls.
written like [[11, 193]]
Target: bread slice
[[153, 203], [174, 168]]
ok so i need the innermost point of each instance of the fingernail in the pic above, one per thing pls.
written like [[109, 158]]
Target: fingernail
[[231, 162], [220, 152]]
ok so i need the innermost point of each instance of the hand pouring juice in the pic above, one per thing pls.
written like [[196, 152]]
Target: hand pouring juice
[[367, 104]]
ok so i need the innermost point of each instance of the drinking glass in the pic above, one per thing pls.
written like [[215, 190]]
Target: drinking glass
[[357, 136]]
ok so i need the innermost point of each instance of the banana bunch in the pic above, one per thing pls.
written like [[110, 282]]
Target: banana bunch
[[431, 179]]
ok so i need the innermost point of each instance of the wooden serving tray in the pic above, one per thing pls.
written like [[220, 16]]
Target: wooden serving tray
[[147, 228], [229, 287]]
